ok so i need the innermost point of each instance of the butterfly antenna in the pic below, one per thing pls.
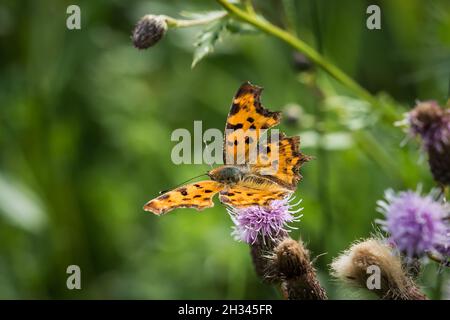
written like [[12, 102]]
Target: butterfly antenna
[[201, 175]]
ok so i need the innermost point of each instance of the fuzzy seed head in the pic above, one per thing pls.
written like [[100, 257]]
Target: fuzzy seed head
[[352, 265]]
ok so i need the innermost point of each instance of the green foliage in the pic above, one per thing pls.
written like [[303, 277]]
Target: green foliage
[[213, 33], [208, 38]]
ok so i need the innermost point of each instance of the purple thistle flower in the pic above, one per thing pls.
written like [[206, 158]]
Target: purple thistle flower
[[416, 223], [251, 222], [444, 249], [432, 124]]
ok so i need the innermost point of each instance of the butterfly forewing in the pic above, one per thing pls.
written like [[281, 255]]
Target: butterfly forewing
[[196, 195], [246, 122]]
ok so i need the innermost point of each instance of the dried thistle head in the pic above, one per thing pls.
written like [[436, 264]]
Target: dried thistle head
[[352, 267], [148, 31]]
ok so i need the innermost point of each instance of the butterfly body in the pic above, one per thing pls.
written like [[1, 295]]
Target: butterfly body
[[228, 174], [241, 182]]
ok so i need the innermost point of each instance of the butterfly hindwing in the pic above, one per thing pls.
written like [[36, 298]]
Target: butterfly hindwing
[[246, 122], [251, 191], [195, 195], [284, 170]]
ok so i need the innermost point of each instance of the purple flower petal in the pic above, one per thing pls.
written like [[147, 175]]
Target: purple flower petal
[[250, 222], [415, 223]]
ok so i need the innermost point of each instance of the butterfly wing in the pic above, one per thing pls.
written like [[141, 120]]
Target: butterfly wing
[[253, 190], [284, 169], [195, 195], [246, 121]]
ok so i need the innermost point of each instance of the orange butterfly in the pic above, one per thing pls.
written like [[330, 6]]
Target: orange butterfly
[[241, 182]]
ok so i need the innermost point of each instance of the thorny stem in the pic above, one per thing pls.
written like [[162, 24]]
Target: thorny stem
[[308, 51]]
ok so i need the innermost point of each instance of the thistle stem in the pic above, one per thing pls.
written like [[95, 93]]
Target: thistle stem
[[249, 7], [185, 23]]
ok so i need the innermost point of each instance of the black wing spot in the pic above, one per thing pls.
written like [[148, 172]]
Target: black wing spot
[[234, 109], [183, 191], [208, 191], [250, 119], [197, 196], [234, 126]]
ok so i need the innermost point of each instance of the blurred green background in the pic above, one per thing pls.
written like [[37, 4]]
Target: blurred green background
[[85, 125]]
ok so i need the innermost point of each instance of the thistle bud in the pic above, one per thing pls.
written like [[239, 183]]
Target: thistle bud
[[432, 123], [148, 31], [291, 261], [300, 62]]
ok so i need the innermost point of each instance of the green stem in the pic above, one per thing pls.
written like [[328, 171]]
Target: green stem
[[178, 23], [308, 51], [249, 7]]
